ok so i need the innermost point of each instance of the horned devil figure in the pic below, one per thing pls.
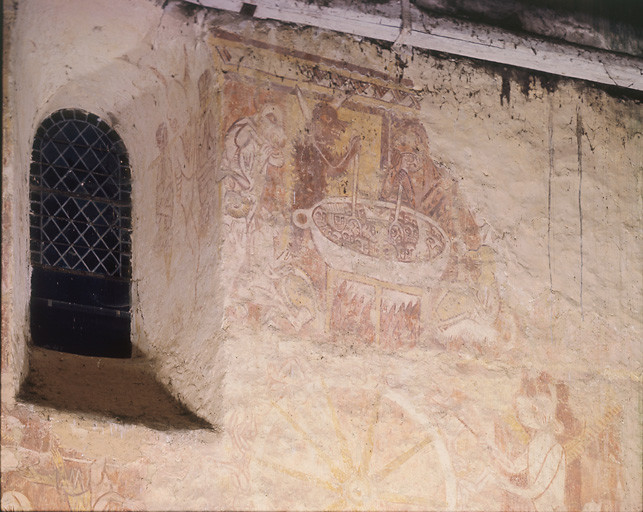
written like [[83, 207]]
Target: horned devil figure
[[317, 156]]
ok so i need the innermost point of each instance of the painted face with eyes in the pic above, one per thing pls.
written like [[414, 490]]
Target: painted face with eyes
[[327, 126], [535, 412], [410, 162]]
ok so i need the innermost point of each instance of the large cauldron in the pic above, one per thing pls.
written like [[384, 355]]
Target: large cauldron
[[378, 240]]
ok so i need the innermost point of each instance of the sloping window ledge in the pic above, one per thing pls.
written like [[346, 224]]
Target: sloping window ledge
[[122, 390]]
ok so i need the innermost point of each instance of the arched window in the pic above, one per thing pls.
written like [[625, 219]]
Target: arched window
[[80, 223]]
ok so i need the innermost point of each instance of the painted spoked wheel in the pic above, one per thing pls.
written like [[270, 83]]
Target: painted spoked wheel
[[328, 448]]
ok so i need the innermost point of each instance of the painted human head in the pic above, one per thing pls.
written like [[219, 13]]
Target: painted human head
[[409, 147], [326, 124], [270, 124], [536, 402], [407, 150], [270, 121]]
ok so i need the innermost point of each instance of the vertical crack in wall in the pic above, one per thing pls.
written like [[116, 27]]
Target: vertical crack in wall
[[505, 91], [579, 142], [550, 132]]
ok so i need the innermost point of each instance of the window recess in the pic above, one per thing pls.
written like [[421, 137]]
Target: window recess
[[80, 236]]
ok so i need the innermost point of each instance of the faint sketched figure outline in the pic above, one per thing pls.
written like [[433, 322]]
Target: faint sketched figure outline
[[250, 145], [165, 192], [545, 460]]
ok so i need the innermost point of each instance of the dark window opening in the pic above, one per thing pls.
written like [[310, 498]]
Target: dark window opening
[[247, 9], [80, 226]]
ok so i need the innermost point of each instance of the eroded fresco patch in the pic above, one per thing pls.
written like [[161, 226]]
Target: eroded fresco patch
[[417, 434], [185, 191], [39, 473], [391, 434], [347, 241]]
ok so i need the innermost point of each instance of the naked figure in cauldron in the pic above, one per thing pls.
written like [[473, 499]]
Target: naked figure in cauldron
[[356, 234]]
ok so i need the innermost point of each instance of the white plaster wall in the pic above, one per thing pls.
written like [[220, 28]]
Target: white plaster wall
[[135, 65], [543, 235], [14, 249], [536, 167]]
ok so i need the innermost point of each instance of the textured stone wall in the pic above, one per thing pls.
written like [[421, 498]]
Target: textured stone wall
[[389, 280]]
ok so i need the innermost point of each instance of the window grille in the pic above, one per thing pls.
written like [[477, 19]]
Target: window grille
[[80, 196], [80, 222]]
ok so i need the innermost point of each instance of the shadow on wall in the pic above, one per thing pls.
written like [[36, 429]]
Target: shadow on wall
[[133, 92], [117, 388]]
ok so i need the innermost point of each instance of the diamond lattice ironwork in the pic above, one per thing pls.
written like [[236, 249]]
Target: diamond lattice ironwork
[[80, 196]]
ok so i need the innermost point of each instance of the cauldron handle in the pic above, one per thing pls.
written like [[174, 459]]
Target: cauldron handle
[[301, 218]]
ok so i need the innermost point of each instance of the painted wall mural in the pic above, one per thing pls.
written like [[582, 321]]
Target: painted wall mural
[[408, 435], [39, 473], [372, 353], [343, 227], [367, 235], [389, 435]]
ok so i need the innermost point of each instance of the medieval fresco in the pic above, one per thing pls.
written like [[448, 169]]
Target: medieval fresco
[[418, 435], [40, 473], [343, 227], [338, 220], [325, 273]]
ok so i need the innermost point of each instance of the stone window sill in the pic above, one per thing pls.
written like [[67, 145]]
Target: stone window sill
[[124, 390]]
